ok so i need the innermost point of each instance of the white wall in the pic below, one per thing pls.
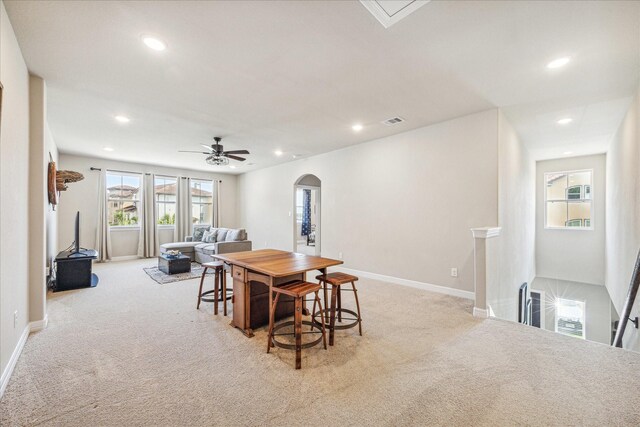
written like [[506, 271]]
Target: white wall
[[82, 196], [14, 179], [623, 213], [516, 216], [400, 206], [51, 214], [597, 305], [572, 254], [38, 198]]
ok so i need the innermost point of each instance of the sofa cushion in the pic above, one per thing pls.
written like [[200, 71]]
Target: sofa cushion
[[180, 246], [222, 234], [236, 235], [208, 248]]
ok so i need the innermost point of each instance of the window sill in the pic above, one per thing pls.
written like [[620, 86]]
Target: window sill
[[570, 228], [121, 228], [166, 227]]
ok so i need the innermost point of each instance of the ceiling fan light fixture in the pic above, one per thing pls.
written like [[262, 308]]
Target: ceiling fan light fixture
[[217, 160]]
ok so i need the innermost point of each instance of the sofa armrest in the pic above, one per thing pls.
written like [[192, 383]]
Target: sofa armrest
[[228, 247], [188, 239]]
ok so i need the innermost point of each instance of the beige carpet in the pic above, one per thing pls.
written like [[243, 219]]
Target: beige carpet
[[132, 352]]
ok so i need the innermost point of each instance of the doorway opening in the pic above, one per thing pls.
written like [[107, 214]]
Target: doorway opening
[[306, 218]]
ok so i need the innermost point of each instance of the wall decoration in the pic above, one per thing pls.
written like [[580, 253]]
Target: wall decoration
[[51, 184], [65, 177]]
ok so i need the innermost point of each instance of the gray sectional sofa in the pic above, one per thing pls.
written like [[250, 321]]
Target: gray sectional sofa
[[218, 241]]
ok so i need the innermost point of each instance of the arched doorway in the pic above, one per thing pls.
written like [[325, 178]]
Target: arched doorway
[[306, 218]]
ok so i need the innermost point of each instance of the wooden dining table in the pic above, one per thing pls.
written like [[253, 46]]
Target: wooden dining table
[[255, 273]]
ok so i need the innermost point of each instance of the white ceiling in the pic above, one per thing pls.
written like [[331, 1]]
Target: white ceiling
[[295, 76]]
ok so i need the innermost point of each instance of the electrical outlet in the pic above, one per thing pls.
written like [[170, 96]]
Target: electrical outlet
[[265, 243], [454, 272], [339, 255], [15, 319], [48, 271], [289, 213]]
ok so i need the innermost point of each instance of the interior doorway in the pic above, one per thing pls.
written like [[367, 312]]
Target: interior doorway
[[306, 215]]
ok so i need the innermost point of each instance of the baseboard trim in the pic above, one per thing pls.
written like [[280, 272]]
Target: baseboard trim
[[481, 313], [39, 325], [411, 283], [36, 326], [6, 375], [125, 258]]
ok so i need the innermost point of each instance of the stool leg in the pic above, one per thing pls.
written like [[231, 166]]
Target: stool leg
[[297, 316], [325, 316], [215, 292], [204, 273], [355, 294], [314, 310], [224, 289], [324, 334], [271, 321], [332, 316], [339, 304]]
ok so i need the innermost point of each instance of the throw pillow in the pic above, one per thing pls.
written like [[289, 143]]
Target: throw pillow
[[210, 236], [197, 233], [222, 234], [237, 235]]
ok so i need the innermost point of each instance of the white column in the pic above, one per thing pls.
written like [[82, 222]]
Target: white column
[[484, 270]]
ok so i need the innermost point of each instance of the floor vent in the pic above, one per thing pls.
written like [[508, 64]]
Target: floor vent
[[393, 121]]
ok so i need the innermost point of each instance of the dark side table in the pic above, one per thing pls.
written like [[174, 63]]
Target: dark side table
[[174, 264]]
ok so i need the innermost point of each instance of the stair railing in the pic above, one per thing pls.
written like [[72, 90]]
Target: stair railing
[[628, 304]]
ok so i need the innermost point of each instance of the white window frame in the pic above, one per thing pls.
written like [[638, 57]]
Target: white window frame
[[582, 194], [155, 199], [125, 227], [583, 320], [199, 203]]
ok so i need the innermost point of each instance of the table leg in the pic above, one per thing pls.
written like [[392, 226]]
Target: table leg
[[324, 291], [271, 307]]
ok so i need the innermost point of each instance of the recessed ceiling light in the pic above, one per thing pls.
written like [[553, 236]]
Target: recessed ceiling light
[[565, 121], [559, 62], [357, 127], [566, 153], [232, 167], [154, 43], [122, 119], [108, 149], [278, 153]]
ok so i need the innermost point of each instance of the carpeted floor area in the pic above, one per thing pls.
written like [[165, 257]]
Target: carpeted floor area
[[131, 352]]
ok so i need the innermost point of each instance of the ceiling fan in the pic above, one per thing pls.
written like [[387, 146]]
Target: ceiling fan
[[217, 156]]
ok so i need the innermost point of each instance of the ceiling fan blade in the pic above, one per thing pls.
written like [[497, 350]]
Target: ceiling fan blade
[[237, 152], [188, 151], [208, 147], [231, 156]]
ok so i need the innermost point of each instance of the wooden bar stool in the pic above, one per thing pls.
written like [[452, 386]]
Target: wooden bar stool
[[328, 316], [219, 290], [296, 290]]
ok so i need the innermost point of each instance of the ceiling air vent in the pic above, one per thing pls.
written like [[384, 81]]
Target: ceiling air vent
[[388, 12], [393, 121]]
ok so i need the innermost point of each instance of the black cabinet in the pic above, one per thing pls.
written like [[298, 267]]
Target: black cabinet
[[73, 270]]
